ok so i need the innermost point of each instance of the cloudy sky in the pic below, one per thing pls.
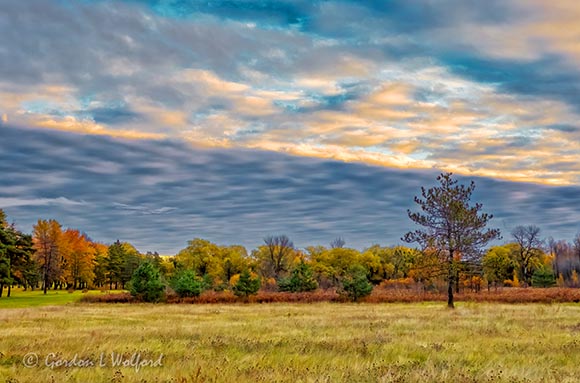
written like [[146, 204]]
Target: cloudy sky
[[159, 121]]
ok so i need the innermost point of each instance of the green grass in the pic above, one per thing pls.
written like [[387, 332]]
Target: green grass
[[321, 342], [19, 298]]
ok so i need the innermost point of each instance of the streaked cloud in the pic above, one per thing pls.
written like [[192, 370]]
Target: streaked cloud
[[453, 85], [158, 194]]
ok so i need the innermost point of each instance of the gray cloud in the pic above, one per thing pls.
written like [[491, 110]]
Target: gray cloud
[[159, 194]]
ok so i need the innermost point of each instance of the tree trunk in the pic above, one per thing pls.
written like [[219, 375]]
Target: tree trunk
[[1, 289], [450, 276], [450, 294], [9, 289]]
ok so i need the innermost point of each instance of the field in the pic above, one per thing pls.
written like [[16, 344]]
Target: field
[[283, 342], [36, 298]]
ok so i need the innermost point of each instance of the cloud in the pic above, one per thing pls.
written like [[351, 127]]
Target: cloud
[[17, 202], [482, 89], [158, 194], [144, 209]]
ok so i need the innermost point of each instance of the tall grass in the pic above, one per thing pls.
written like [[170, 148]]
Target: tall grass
[[318, 342]]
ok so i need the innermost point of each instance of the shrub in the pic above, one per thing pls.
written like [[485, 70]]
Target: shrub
[[187, 284], [301, 280], [247, 285], [146, 284], [108, 298], [356, 284]]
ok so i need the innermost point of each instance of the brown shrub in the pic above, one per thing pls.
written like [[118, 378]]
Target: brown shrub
[[108, 298], [379, 295], [506, 295]]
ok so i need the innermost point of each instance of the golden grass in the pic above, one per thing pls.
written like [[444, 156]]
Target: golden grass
[[320, 342]]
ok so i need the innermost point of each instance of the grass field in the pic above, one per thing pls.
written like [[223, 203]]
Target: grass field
[[321, 342], [19, 298]]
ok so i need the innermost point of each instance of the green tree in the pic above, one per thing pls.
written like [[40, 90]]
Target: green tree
[[146, 284], [543, 277], [131, 261], [186, 284], [451, 225], [114, 263], [356, 284], [15, 255], [301, 279], [101, 261], [247, 284]]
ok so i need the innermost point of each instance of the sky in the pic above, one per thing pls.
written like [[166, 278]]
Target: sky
[[159, 121]]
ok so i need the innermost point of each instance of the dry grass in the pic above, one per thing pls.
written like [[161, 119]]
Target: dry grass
[[319, 342]]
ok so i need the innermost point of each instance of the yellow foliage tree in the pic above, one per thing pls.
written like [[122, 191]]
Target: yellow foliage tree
[[47, 236], [78, 259]]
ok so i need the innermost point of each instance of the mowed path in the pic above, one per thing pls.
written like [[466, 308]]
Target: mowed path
[[323, 342]]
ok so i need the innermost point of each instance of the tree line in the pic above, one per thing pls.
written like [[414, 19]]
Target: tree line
[[452, 254]]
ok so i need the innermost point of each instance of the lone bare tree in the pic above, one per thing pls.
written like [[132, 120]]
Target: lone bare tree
[[529, 248], [451, 226], [279, 249]]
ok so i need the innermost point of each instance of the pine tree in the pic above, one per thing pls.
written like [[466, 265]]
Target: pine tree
[[247, 284], [452, 226]]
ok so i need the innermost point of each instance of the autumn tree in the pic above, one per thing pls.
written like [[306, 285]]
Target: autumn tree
[[330, 265], [499, 264], [78, 257], [529, 250], [394, 262], [47, 237], [451, 225], [203, 257], [234, 260]]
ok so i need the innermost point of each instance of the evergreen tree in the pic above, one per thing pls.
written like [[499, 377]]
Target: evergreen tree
[[187, 284], [146, 284], [247, 284], [356, 284], [301, 279], [452, 226], [543, 277]]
